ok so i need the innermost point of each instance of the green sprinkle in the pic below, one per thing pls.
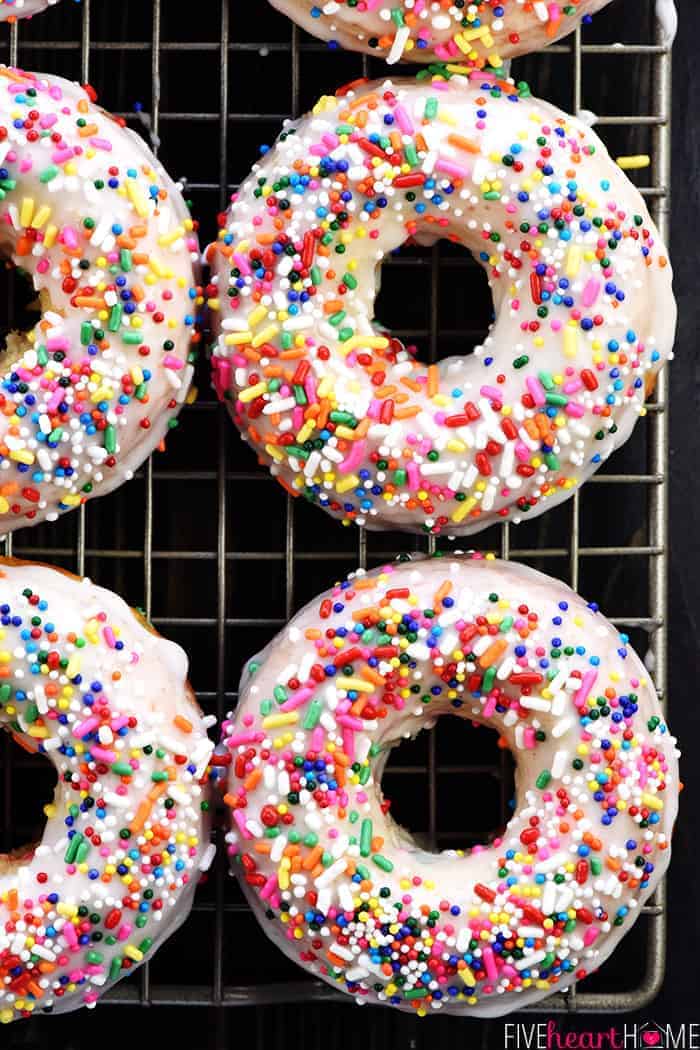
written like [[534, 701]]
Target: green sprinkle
[[130, 338], [382, 862], [49, 173], [115, 318], [312, 715], [366, 838], [73, 847], [431, 108], [110, 439], [85, 333], [488, 680], [543, 779]]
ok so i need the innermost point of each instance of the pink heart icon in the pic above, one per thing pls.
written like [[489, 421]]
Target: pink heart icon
[[651, 1038]]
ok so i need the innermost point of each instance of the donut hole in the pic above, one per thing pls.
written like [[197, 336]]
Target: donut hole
[[28, 782], [452, 787], [436, 299], [20, 309]]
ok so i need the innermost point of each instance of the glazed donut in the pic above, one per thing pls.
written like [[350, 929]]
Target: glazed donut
[[11, 10], [345, 891], [343, 413], [86, 682], [105, 236], [478, 35]]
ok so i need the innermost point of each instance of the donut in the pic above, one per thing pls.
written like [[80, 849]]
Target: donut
[[87, 683], [340, 411], [478, 35], [12, 10], [93, 220], [345, 891]]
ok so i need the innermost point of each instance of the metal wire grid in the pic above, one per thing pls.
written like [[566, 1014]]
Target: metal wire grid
[[134, 560]]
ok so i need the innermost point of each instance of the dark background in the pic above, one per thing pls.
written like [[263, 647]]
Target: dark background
[[274, 557]]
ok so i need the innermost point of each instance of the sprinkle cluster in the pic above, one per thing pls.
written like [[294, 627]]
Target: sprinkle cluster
[[342, 412], [482, 33], [380, 657], [84, 683], [104, 235]]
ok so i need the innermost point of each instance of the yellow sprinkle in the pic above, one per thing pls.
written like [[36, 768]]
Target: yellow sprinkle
[[26, 211], [367, 342], [256, 316], [573, 260], [251, 392], [138, 200], [284, 718], [358, 684], [479, 34], [4, 505], [132, 952], [273, 451], [347, 483], [570, 341], [237, 338], [169, 238], [21, 455], [463, 509], [633, 163], [652, 801], [158, 270], [265, 336]]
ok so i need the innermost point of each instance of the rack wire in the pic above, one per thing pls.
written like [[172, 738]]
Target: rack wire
[[214, 551]]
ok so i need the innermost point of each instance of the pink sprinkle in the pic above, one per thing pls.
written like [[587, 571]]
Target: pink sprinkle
[[100, 754], [536, 390], [590, 292], [269, 888], [459, 171], [297, 700], [86, 727], [240, 821], [489, 963], [587, 683], [353, 459], [403, 120]]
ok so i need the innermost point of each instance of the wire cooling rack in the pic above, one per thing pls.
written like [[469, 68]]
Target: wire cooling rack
[[218, 555]]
